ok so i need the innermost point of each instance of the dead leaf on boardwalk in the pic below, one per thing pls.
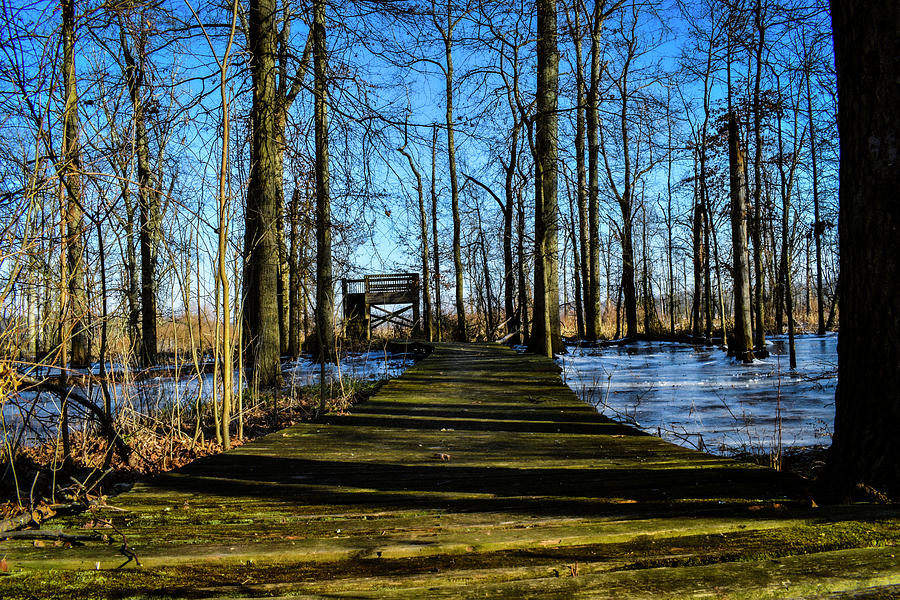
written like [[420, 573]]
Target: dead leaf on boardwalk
[[98, 524], [440, 456], [4, 568]]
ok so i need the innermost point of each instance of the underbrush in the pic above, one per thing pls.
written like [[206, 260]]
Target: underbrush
[[51, 475]]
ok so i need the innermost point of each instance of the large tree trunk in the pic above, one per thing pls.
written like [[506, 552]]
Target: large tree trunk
[[324, 277], [743, 336], [865, 445], [545, 338], [261, 270]]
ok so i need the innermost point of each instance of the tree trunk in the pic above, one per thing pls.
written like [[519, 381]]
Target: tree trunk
[[645, 283], [707, 278], [148, 198], [669, 217], [743, 336], [818, 227], [461, 334], [438, 316], [224, 343], [423, 231], [587, 310], [865, 444], [509, 277], [75, 313], [261, 270], [592, 291], [787, 184], [576, 268], [759, 333], [697, 239], [294, 275], [287, 90], [324, 278], [132, 294], [546, 338], [520, 266]]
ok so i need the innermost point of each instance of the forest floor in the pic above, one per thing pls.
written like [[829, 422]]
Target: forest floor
[[477, 473]]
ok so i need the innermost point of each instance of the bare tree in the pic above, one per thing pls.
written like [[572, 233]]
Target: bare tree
[[446, 24]]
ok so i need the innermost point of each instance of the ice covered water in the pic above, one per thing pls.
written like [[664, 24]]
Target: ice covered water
[[700, 397], [153, 395], [371, 365]]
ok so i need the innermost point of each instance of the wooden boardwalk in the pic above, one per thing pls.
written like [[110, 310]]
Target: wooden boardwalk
[[475, 474]]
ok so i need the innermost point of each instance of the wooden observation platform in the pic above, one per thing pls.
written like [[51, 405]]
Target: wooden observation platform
[[376, 292]]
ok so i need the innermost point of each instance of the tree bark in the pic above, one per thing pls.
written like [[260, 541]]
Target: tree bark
[[743, 336], [261, 269], [324, 277], [865, 445], [545, 338]]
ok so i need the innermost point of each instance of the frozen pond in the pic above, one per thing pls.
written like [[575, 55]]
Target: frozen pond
[[699, 397], [174, 389], [371, 365]]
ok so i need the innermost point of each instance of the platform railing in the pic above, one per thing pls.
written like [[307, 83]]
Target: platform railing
[[391, 284], [354, 286]]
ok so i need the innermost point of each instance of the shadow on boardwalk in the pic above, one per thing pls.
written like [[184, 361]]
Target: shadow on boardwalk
[[477, 473]]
